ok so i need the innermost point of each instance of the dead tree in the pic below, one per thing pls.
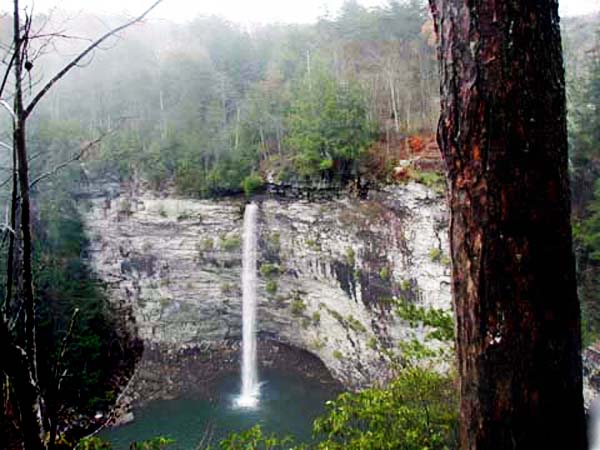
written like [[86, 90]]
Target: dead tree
[[20, 364]]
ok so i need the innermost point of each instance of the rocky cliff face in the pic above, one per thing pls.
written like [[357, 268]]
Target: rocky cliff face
[[328, 270]]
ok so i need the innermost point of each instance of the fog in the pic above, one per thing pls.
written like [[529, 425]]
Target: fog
[[257, 11]]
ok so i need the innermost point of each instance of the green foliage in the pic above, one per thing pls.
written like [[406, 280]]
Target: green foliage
[[372, 343], [318, 344], [435, 254], [433, 180], [406, 284], [441, 321], [384, 273], [587, 240], [337, 316], [355, 324], [252, 184], [271, 287], [350, 256], [230, 243], [316, 317], [588, 232], [583, 96], [93, 443], [268, 270], [67, 293], [255, 439], [156, 443], [338, 355], [328, 126], [584, 107], [298, 306], [417, 411]]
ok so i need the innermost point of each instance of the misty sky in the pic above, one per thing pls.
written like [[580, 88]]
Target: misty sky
[[248, 11]]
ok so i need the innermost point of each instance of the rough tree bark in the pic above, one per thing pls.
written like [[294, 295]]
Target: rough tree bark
[[503, 135]]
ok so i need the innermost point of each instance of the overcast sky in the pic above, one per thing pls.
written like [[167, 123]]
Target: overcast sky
[[249, 11]]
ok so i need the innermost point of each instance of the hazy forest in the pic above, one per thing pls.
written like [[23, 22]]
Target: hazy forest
[[195, 208]]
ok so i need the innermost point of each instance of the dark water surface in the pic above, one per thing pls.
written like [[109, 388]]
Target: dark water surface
[[289, 404]]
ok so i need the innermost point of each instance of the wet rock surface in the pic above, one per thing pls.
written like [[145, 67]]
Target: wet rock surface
[[329, 270]]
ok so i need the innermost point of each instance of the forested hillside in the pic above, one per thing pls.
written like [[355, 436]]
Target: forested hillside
[[582, 52], [212, 107]]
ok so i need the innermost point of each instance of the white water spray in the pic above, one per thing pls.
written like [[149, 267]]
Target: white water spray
[[250, 387], [594, 425]]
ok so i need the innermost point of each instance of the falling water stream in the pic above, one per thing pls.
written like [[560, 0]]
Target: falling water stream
[[187, 419], [250, 391]]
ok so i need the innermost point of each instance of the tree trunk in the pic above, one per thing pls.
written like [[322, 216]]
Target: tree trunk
[[15, 365], [10, 265], [394, 104], [26, 382], [503, 135]]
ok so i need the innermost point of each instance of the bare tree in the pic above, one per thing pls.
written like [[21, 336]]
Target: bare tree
[[20, 366], [503, 135]]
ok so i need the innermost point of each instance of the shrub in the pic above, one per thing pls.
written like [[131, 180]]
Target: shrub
[[255, 439], [298, 306], [355, 324], [230, 244], [350, 256], [271, 287], [384, 273], [419, 410], [316, 317], [372, 343], [269, 270], [252, 183], [435, 254], [433, 180]]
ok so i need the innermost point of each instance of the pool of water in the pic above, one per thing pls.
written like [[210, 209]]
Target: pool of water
[[288, 405]]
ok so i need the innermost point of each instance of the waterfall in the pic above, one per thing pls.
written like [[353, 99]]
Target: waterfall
[[250, 386], [594, 424]]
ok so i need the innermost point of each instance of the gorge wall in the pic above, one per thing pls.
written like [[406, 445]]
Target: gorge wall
[[328, 272]]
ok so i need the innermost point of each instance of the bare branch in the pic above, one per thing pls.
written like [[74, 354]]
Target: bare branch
[[8, 70], [77, 157], [6, 106], [61, 35], [82, 55], [63, 351]]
